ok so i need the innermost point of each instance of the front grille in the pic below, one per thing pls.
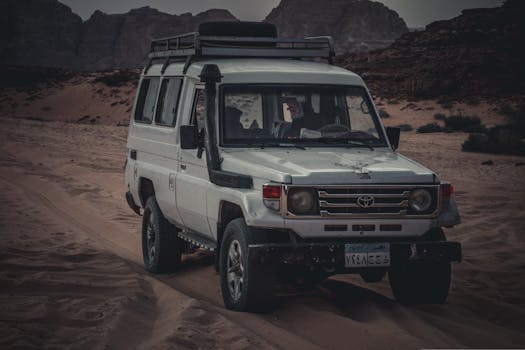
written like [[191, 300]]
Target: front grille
[[376, 201]]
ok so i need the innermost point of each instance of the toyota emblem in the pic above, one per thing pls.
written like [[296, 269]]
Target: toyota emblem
[[365, 201]]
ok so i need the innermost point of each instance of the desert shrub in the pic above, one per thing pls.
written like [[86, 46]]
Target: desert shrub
[[516, 118], [500, 139], [439, 116], [405, 127], [481, 128], [119, 78], [506, 109], [462, 123], [472, 101], [32, 98], [446, 104], [383, 114], [429, 128], [26, 79]]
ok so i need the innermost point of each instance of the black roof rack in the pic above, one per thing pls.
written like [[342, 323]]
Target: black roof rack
[[191, 46]]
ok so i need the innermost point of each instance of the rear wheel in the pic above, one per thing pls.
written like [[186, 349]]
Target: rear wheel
[[161, 247], [244, 285]]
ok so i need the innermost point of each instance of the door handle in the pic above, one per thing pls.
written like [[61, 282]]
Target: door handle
[[183, 166], [133, 154]]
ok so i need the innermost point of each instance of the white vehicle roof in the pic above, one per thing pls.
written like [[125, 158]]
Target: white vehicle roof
[[265, 70]]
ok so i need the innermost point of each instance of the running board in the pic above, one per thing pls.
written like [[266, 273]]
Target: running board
[[198, 240]]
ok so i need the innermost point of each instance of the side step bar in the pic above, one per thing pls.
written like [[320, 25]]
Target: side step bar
[[198, 240]]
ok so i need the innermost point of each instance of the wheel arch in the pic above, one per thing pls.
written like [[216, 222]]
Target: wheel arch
[[228, 211], [146, 189]]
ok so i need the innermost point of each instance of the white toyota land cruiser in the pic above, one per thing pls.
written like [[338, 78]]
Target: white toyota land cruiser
[[246, 145]]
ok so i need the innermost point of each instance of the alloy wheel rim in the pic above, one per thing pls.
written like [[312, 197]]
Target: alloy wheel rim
[[150, 235], [235, 270]]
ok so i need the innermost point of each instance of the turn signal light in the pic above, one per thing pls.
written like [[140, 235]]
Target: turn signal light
[[271, 192], [272, 196], [447, 190]]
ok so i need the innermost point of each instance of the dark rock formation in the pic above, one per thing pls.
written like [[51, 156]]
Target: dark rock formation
[[123, 40], [479, 53], [46, 33], [38, 32], [355, 25]]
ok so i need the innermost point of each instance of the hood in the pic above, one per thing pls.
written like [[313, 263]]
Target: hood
[[326, 166]]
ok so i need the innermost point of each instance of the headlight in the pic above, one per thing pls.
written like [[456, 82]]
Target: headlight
[[420, 200], [301, 202]]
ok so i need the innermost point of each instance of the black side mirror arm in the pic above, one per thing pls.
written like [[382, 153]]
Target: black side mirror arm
[[200, 148], [393, 135]]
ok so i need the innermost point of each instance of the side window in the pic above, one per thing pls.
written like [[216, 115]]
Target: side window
[[146, 101], [168, 101], [199, 108]]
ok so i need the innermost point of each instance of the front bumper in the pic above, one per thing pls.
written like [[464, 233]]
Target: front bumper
[[331, 255]]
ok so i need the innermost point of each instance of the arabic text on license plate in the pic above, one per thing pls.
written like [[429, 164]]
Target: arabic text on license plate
[[367, 255]]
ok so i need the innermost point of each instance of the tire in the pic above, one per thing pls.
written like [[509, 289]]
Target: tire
[[245, 286], [373, 275], [422, 282], [161, 247]]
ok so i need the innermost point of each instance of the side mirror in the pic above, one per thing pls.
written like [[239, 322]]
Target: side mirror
[[393, 136], [188, 137]]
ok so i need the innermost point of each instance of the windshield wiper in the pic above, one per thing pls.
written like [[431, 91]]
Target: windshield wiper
[[277, 144], [348, 143], [360, 143]]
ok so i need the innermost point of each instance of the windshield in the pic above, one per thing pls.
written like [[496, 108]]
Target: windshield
[[313, 115]]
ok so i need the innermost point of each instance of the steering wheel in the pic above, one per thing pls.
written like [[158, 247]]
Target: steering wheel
[[334, 128]]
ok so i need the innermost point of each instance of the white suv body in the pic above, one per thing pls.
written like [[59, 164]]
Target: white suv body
[[359, 193]]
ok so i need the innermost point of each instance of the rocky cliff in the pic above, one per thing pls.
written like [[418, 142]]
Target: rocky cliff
[[479, 53], [46, 33], [355, 25], [123, 40], [38, 32]]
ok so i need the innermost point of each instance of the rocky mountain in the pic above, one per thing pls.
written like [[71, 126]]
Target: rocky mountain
[[38, 32], [479, 53], [355, 25], [123, 40], [47, 33]]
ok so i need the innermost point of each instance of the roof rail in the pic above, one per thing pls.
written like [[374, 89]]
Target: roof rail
[[193, 45]]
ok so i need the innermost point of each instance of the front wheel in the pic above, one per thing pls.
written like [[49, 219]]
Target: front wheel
[[421, 283], [244, 285]]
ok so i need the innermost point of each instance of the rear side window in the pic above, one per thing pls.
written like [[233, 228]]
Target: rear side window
[[146, 102], [168, 102]]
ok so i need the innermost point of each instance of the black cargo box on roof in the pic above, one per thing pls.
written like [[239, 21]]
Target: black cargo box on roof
[[239, 29]]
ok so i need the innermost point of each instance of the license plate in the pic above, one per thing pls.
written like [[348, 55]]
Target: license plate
[[367, 255]]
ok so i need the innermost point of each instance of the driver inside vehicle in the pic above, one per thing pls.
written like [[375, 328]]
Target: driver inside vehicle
[[294, 117], [314, 114]]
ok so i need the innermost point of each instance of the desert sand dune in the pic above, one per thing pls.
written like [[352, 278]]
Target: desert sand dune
[[71, 261]]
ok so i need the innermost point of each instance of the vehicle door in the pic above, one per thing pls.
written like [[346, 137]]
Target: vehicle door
[[165, 158], [153, 140], [193, 180]]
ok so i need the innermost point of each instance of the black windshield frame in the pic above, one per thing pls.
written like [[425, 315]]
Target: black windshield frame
[[271, 142]]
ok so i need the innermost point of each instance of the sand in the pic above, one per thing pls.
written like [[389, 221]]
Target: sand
[[71, 271]]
